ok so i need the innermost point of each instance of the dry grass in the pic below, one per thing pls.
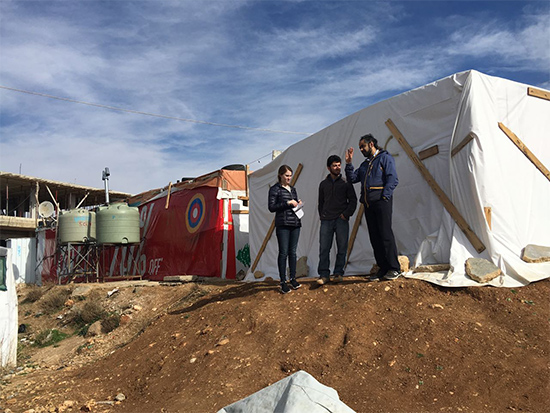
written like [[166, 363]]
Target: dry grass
[[54, 300], [110, 322], [34, 294]]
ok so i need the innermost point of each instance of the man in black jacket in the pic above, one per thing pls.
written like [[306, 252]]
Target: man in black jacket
[[337, 202]]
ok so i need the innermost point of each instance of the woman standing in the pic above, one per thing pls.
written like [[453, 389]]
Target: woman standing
[[282, 199]]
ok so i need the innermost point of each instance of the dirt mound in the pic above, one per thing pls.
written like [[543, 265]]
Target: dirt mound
[[399, 346]]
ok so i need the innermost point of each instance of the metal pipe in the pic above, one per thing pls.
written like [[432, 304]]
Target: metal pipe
[[105, 178]]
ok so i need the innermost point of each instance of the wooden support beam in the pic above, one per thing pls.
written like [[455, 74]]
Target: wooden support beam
[[353, 234], [487, 211], [447, 203], [272, 227], [168, 195], [469, 137], [428, 152], [538, 93], [525, 150]]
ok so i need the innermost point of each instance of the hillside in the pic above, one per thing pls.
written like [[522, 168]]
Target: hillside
[[399, 346]]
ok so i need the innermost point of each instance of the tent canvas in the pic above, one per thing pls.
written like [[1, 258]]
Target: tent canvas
[[485, 173]]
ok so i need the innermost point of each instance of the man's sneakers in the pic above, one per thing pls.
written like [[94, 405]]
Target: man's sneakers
[[392, 275], [294, 284], [285, 288], [377, 276], [337, 278]]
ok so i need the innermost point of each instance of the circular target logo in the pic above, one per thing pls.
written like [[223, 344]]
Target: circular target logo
[[195, 213]]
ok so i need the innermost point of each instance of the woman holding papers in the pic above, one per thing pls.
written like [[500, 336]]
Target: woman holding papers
[[283, 200]]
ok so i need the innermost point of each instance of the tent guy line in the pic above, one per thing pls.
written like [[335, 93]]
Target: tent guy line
[[137, 112]]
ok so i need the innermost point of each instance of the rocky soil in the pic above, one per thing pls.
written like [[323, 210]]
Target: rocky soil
[[397, 346]]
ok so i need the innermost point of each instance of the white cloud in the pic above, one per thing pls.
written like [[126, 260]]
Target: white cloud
[[296, 66]]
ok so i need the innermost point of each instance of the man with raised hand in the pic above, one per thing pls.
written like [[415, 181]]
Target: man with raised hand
[[378, 179]]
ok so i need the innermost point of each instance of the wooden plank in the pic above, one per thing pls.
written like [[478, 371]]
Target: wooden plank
[[168, 195], [487, 211], [447, 203], [469, 137], [538, 93], [426, 153], [354, 231], [239, 211], [525, 150], [272, 227]]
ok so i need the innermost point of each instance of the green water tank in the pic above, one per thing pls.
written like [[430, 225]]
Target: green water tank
[[117, 224], [76, 226]]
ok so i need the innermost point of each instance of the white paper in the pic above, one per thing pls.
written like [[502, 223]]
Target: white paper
[[298, 210]]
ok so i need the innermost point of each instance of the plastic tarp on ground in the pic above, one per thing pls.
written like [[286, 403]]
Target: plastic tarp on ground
[[8, 311], [489, 172], [299, 392]]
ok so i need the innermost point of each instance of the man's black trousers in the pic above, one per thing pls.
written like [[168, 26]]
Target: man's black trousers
[[378, 215]]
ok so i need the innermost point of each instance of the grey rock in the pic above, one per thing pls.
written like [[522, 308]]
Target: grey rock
[[404, 263], [302, 270], [120, 397], [81, 291], [94, 330], [258, 275], [481, 270], [240, 275], [536, 253], [432, 268]]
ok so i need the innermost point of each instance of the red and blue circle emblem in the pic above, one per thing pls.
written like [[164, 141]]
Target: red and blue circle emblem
[[194, 215]]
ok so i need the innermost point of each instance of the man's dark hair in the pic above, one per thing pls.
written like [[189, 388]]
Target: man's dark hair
[[368, 138], [333, 158]]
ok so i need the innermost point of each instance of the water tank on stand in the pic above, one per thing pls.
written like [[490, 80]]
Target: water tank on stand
[[76, 226], [117, 224]]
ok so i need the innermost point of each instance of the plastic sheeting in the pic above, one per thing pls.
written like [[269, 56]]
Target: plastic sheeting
[[489, 172], [8, 313], [23, 257], [299, 392]]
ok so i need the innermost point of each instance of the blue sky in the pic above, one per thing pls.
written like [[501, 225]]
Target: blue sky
[[295, 66]]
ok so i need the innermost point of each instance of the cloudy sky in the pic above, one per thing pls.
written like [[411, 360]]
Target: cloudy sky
[[271, 67]]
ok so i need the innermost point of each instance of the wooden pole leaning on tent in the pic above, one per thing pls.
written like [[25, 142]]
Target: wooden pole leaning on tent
[[539, 93], [272, 227], [447, 203], [525, 150], [354, 231], [168, 195]]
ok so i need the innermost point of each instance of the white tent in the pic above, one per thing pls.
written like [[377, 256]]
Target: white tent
[[8, 311], [487, 198]]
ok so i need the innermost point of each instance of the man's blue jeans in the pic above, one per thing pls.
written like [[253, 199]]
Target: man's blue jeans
[[287, 238], [329, 228]]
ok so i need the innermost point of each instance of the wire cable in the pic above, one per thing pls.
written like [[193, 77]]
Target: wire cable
[[137, 112]]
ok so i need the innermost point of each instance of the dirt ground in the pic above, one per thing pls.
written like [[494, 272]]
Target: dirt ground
[[396, 346]]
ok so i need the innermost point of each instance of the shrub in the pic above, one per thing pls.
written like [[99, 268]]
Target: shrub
[[90, 312], [111, 322], [49, 337], [54, 300], [35, 293]]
